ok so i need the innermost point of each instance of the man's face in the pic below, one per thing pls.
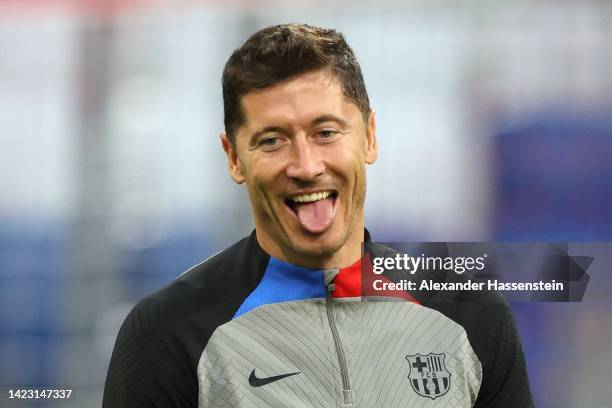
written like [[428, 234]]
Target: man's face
[[302, 152]]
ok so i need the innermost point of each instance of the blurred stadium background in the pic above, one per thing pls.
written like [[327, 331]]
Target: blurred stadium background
[[494, 122]]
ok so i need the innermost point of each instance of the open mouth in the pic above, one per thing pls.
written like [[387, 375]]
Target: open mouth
[[314, 211]]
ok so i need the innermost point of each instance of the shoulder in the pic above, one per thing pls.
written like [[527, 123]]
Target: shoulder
[[476, 310], [159, 344], [211, 291], [484, 314]]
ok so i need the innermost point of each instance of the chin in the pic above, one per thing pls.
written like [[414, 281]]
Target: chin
[[321, 245]]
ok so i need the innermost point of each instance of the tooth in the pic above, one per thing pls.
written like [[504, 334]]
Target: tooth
[[307, 198]]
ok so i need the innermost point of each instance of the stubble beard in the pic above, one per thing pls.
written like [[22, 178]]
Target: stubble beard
[[351, 221], [282, 236]]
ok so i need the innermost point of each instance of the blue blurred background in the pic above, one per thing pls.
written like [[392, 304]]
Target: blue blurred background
[[494, 123]]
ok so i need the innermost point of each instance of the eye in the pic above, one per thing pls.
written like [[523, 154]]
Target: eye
[[270, 143], [327, 134]]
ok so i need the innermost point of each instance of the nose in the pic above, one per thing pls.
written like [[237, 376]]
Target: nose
[[306, 163]]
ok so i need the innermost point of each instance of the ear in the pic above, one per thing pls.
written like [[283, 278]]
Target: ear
[[371, 143], [233, 162]]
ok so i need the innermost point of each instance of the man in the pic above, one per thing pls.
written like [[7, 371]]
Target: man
[[276, 320]]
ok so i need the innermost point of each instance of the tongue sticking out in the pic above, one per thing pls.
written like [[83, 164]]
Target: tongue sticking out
[[316, 216]]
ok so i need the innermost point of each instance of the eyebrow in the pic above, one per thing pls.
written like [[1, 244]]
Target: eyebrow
[[329, 118], [316, 121]]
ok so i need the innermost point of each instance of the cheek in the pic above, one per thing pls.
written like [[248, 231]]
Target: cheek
[[344, 156], [358, 181], [352, 168], [264, 180]]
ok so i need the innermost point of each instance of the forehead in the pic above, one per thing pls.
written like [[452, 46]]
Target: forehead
[[297, 101]]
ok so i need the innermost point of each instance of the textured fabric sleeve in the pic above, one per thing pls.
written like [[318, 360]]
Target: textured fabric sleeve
[[149, 367], [495, 339]]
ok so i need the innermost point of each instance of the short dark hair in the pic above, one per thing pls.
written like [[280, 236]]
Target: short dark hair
[[281, 52]]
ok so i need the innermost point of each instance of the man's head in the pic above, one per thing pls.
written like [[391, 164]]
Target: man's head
[[299, 132]]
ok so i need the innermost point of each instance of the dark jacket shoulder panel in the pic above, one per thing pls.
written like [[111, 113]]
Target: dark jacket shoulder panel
[[154, 362]]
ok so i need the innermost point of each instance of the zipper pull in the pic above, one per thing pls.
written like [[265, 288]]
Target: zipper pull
[[347, 396]]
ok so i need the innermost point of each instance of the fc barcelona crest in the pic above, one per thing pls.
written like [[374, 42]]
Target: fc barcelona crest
[[428, 375]]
